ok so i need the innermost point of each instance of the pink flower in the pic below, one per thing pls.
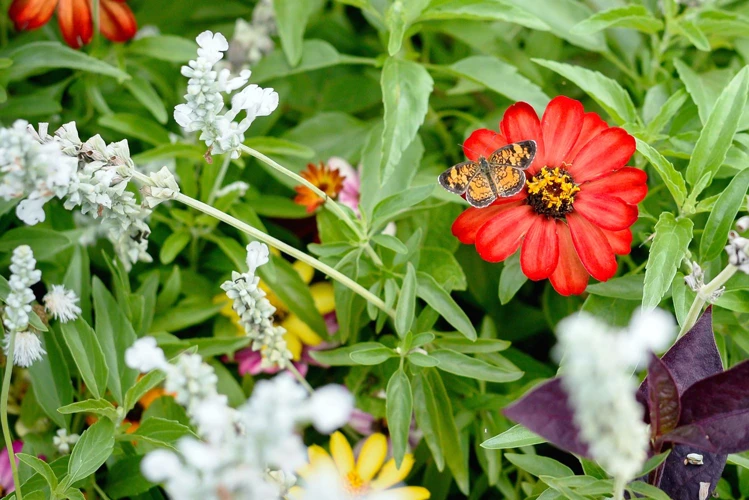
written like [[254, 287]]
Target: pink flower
[[349, 195], [6, 473]]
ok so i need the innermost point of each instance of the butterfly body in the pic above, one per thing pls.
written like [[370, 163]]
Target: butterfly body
[[501, 174]]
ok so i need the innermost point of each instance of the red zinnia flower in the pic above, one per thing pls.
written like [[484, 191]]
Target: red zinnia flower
[[117, 21], [574, 214]]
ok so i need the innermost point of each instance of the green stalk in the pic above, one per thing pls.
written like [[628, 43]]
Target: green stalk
[[4, 414], [300, 378], [276, 243], [703, 295], [619, 489], [219, 179]]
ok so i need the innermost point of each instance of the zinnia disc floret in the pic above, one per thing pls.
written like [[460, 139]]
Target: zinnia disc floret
[[574, 215]]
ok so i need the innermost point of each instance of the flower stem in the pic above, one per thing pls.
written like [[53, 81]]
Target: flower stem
[[4, 415], [100, 492], [280, 245], [619, 488], [300, 378], [703, 295], [329, 202], [219, 179]]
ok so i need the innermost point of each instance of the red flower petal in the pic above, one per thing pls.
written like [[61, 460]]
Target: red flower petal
[[608, 151], [592, 126], [76, 25], [561, 125], [620, 241], [606, 212], [469, 222], [569, 277], [540, 251], [520, 123], [482, 142], [500, 237], [628, 184], [117, 21], [31, 14], [592, 247]]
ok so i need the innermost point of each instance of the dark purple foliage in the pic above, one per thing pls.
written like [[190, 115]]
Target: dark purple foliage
[[693, 407]]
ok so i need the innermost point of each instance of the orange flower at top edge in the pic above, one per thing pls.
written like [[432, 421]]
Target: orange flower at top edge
[[328, 180], [573, 216], [75, 19]]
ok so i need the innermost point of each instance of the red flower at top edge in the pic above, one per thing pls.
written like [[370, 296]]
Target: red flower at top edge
[[75, 19], [573, 216]]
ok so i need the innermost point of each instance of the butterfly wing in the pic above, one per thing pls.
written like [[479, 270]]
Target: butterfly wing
[[456, 179], [508, 181], [480, 193], [517, 155]]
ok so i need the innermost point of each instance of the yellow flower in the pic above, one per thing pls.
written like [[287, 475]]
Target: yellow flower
[[358, 476], [298, 333]]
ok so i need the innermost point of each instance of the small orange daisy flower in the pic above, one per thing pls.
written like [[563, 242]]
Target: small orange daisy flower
[[327, 179]]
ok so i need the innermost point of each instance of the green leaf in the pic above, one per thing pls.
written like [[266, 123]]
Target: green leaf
[[39, 57], [391, 243], [399, 404], [653, 462], [372, 356], [144, 384], [633, 16], [483, 10], [78, 278], [50, 380], [399, 17], [625, 287], [466, 366], [511, 279], [648, 490], [669, 247], [170, 48], [604, 90], [98, 406], [90, 452], [693, 33], [514, 437], [160, 432], [406, 308], [717, 134], [74, 494], [502, 78], [40, 466], [342, 355], [169, 151], [173, 245], [739, 460], [425, 412], [125, 480], [115, 334], [45, 243], [670, 176], [539, 466], [464, 345], [406, 87], [277, 146], [439, 300], [295, 294], [316, 54], [721, 218], [666, 112], [188, 312], [392, 205], [87, 354], [291, 19], [696, 88], [144, 92], [136, 126], [421, 359]]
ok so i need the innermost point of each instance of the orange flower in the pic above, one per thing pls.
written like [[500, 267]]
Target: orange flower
[[325, 178], [75, 18]]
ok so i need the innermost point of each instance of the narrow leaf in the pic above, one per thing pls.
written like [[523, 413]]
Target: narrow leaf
[[721, 218], [437, 298], [671, 177], [514, 437], [91, 451], [669, 247], [633, 16], [466, 366], [399, 406], [404, 312]]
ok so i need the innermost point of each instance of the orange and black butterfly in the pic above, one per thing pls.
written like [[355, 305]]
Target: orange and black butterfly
[[486, 179]]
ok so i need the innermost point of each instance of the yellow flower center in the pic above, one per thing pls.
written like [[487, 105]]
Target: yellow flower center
[[355, 485], [551, 192]]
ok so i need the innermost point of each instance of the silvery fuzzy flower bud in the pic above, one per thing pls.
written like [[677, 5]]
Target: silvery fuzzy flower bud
[[742, 225], [737, 249], [67, 138], [165, 188]]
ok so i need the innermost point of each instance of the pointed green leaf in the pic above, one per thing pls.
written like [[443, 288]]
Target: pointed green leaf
[[406, 308], [721, 218], [437, 298], [87, 354], [670, 245], [399, 403]]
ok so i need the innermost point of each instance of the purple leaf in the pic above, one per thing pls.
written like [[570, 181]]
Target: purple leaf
[[718, 394], [693, 435], [722, 433], [682, 482], [663, 399], [545, 410], [692, 358]]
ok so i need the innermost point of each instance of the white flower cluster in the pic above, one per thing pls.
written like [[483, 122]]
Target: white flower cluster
[[252, 41], [32, 170], [64, 441], [205, 101], [238, 448], [695, 280], [92, 174], [62, 303], [27, 345], [596, 370], [255, 311], [738, 251]]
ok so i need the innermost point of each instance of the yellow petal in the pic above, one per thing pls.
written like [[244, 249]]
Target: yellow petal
[[306, 272], [372, 455], [405, 493], [390, 475], [294, 344], [296, 493], [318, 457], [273, 299], [343, 455], [324, 297], [300, 329]]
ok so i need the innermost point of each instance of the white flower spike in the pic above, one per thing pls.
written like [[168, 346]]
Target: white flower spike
[[62, 303]]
